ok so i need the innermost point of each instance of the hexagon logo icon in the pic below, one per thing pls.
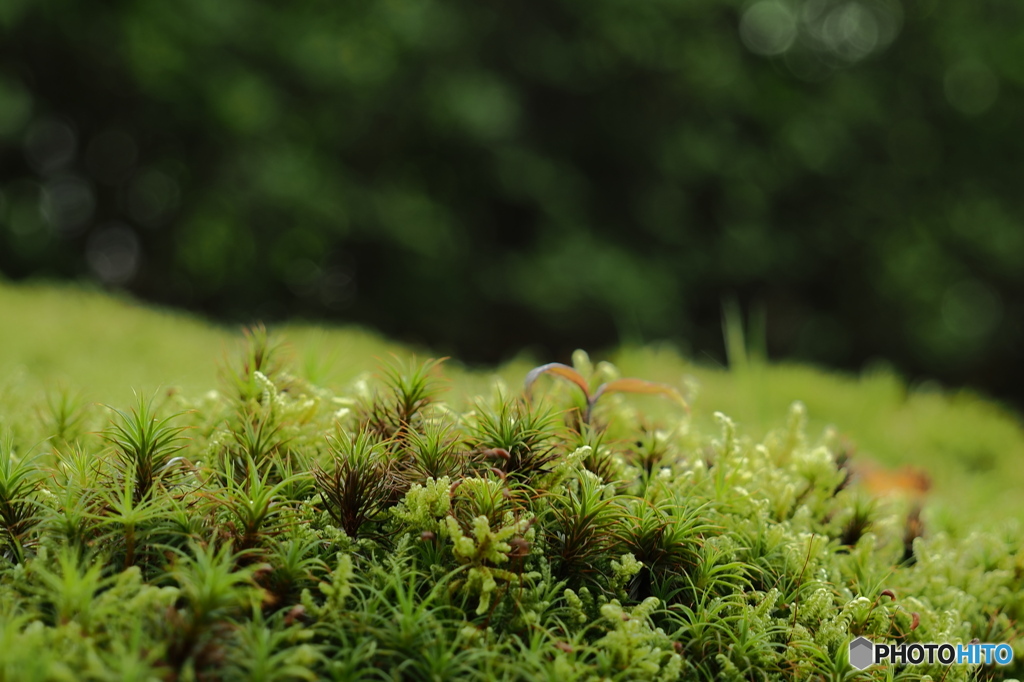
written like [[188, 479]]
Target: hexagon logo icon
[[862, 653]]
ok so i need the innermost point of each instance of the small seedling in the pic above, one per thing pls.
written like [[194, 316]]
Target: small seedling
[[626, 385]]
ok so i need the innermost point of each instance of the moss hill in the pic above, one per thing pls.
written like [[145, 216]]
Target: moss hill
[[310, 512]]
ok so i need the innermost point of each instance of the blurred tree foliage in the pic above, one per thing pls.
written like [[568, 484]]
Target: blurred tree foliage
[[484, 175]]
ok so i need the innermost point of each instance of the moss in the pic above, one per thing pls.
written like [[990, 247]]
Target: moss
[[435, 524]]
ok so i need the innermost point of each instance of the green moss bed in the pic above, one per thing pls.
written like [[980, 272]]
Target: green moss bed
[[421, 523]]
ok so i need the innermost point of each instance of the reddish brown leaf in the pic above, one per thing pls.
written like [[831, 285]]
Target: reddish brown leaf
[[557, 369], [496, 453], [639, 386], [297, 613], [520, 547]]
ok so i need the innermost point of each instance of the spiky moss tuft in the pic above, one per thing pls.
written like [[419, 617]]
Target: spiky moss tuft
[[278, 529]]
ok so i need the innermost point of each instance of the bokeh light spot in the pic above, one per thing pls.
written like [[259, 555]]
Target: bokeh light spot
[[114, 253], [67, 204], [768, 28], [50, 146], [24, 219], [971, 308], [844, 32], [479, 103], [337, 288], [851, 31], [971, 87]]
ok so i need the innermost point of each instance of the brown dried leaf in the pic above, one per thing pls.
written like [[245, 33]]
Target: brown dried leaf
[[639, 386], [557, 369]]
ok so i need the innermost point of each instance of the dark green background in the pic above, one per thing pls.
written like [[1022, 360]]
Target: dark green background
[[483, 176]]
